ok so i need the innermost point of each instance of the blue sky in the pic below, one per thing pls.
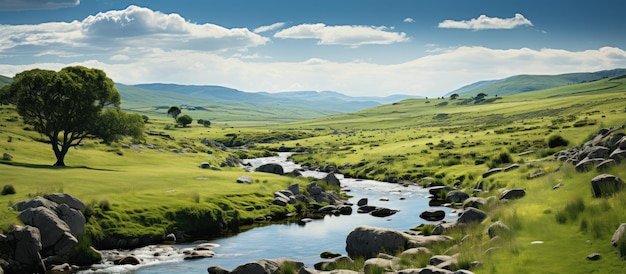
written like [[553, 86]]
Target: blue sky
[[417, 47]]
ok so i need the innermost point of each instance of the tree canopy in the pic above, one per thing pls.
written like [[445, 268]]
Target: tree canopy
[[173, 112], [67, 106], [184, 120]]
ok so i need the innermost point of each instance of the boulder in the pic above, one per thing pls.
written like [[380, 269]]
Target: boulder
[[492, 171], [593, 256], [511, 167], [205, 165], [345, 209], [606, 164], [332, 180], [55, 232], [472, 215], [426, 270], [199, 254], [415, 251], [124, 260], [427, 241], [329, 255], [383, 212], [606, 185], [366, 241], [438, 259], [512, 194], [35, 202], [497, 229], [73, 218], [217, 270], [433, 215], [618, 154], [619, 233], [271, 168], [7, 156], [366, 209], [373, 264], [27, 247], [362, 202], [67, 199], [588, 164], [475, 202], [456, 196], [294, 188], [438, 191], [330, 264], [244, 179]]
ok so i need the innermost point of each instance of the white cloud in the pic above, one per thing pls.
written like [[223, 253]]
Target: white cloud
[[119, 57], [353, 36], [485, 22], [36, 4], [112, 31], [271, 27], [408, 20]]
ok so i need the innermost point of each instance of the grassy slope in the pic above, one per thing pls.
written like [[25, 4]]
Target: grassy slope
[[400, 141], [147, 189]]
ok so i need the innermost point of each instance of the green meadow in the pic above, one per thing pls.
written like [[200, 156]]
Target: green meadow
[[137, 191]]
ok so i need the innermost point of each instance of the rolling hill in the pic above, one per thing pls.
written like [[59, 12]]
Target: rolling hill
[[526, 83]]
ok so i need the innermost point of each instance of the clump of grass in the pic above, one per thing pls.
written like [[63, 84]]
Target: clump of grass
[[105, 205], [8, 190], [574, 207], [502, 158], [557, 141]]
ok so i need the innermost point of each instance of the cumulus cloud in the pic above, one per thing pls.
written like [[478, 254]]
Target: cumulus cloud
[[271, 27], [37, 4], [408, 20], [486, 22], [353, 36], [115, 30]]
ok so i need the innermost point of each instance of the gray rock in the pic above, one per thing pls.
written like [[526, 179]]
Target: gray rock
[[588, 164], [55, 232], [366, 241], [27, 247], [316, 190], [415, 251], [71, 201], [426, 270], [35, 202], [73, 218], [373, 264], [294, 188], [471, 215], [271, 168], [618, 154], [606, 164], [362, 202], [475, 202], [332, 264], [593, 256], [498, 229], [513, 194], [244, 179], [126, 260], [217, 270], [7, 156], [492, 171], [306, 270], [205, 165], [383, 212], [199, 254], [332, 180], [456, 196], [619, 233], [433, 215], [437, 191], [606, 185], [438, 259]]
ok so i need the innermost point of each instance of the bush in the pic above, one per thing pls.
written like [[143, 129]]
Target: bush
[[502, 158], [7, 190], [105, 205], [557, 141]]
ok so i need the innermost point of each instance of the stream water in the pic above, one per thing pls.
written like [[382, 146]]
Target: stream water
[[298, 242]]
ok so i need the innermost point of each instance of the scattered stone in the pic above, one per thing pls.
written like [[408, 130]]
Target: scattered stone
[[217, 270], [378, 263], [513, 194], [497, 229], [362, 202], [332, 180], [492, 171], [475, 202], [557, 186], [271, 168], [619, 233], [200, 254], [433, 215], [416, 251], [294, 188], [383, 212], [593, 256], [366, 241], [129, 259], [7, 156], [456, 196], [205, 165], [329, 255], [606, 185], [438, 191], [536, 242], [333, 263], [244, 179], [471, 215]]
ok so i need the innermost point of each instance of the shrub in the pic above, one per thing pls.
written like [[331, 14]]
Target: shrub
[[560, 217], [105, 205], [7, 190], [502, 158], [557, 141]]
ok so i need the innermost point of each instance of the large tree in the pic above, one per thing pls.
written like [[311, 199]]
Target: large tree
[[65, 106], [173, 112]]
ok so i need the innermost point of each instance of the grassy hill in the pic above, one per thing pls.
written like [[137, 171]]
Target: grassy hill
[[526, 83], [440, 141], [4, 80]]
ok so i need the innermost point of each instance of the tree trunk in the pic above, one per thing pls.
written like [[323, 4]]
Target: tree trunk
[[58, 153]]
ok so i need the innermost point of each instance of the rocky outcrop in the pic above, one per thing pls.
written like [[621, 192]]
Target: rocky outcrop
[[52, 227], [594, 153]]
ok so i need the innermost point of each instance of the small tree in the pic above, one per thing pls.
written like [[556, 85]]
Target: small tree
[[173, 112], [203, 122], [184, 120], [454, 96], [145, 118], [114, 124]]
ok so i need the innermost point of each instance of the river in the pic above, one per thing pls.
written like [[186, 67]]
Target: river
[[298, 242]]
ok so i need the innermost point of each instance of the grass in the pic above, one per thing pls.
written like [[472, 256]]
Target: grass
[[141, 191]]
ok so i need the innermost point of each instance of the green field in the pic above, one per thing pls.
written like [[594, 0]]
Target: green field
[[139, 191]]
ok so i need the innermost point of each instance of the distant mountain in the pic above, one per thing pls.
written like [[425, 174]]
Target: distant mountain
[[526, 83], [326, 101]]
